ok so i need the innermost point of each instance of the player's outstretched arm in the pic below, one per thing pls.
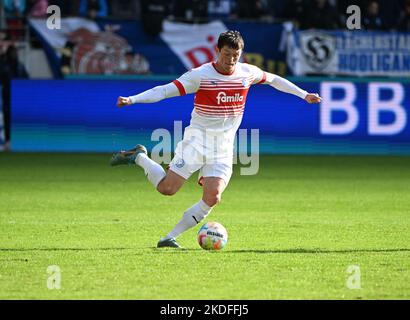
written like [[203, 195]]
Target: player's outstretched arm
[[152, 95], [286, 86]]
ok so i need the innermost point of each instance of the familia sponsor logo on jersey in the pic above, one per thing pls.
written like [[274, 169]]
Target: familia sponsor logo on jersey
[[224, 98]]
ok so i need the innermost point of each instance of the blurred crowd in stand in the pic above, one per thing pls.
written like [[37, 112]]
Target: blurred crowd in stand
[[306, 14]]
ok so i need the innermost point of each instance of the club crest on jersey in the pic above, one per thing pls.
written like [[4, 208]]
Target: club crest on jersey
[[222, 97]]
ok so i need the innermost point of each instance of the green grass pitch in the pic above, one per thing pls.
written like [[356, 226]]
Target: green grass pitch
[[294, 230]]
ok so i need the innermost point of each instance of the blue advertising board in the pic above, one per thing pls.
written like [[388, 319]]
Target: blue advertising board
[[365, 117]]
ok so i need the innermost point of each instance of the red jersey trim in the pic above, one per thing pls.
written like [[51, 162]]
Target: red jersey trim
[[263, 78], [225, 111], [218, 115], [223, 88], [218, 82], [223, 73], [207, 106], [180, 87]]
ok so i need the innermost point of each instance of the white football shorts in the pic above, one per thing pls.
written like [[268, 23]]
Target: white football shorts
[[213, 157]]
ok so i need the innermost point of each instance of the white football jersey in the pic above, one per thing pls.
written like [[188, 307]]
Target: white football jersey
[[219, 98]]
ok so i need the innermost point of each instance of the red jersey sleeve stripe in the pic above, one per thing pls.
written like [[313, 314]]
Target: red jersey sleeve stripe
[[263, 78], [180, 87]]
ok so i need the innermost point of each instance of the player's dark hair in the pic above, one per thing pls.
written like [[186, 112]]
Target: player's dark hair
[[231, 39]]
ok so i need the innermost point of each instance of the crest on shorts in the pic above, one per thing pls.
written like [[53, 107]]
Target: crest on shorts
[[180, 163]]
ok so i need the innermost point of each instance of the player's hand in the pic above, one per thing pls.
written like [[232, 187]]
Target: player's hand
[[313, 98], [123, 101]]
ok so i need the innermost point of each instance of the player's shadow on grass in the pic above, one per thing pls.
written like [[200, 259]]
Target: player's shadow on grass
[[226, 251], [293, 251]]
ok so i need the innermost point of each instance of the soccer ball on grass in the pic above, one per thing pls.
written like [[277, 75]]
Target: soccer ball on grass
[[212, 236]]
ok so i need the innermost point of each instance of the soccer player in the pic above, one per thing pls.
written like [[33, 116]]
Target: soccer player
[[220, 93]]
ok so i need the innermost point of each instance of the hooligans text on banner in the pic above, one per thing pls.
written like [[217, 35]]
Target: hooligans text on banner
[[349, 53]]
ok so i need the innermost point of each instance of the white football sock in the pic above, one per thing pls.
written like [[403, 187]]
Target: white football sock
[[153, 171], [191, 218]]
